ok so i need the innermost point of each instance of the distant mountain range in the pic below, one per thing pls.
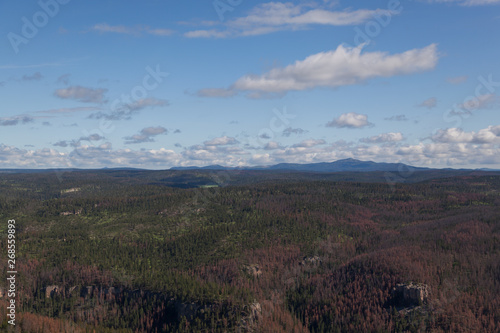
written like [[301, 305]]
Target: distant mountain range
[[345, 165], [348, 164]]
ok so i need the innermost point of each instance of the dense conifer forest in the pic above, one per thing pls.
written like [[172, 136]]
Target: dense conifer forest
[[183, 251]]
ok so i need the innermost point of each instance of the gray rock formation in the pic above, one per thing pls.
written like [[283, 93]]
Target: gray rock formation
[[410, 294], [310, 260], [51, 291]]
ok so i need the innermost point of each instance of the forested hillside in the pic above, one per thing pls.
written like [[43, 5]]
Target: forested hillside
[[172, 251]]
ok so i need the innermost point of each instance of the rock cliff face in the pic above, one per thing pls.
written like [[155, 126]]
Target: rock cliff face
[[249, 323], [189, 310], [410, 294], [51, 291]]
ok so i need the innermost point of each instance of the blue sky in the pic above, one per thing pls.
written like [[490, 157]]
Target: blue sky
[[156, 84]]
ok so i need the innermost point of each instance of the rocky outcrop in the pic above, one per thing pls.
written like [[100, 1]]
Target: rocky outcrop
[[51, 291], [253, 316], [310, 260], [69, 190], [253, 270], [410, 294], [77, 212]]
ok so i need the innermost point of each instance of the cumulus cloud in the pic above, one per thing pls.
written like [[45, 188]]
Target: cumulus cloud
[[278, 16], [340, 67], [350, 120], [17, 120], [428, 103], [62, 143], [271, 145], [92, 137], [289, 131], [309, 143], [77, 143], [146, 135], [224, 140], [264, 136], [136, 30], [383, 138], [491, 134], [448, 147], [82, 94]]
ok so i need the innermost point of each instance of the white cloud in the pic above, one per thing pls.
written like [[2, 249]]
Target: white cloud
[[136, 30], [451, 147], [78, 143], [271, 145], [146, 135], [341, 67], [160, 32], [82, 94], [221, 141], [309, 143], [277, 16], [457, 135], [385, 137], [469, 2], [289, 131], [92, 137], [428, 103], [261, 159], [212, 33], [350, 120]]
